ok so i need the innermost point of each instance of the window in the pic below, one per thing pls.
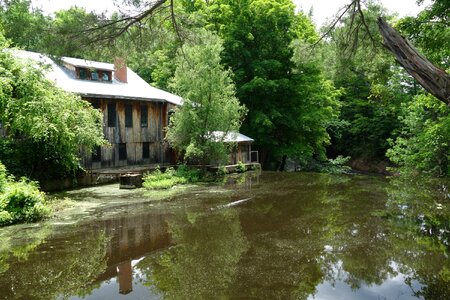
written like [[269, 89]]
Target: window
[[94, 75], [106, 76], [111, 115], [169, 116], [96, 104], [122, 151], [97, 154], [128, 115], [83, 73], [146, 150], [144, 116]]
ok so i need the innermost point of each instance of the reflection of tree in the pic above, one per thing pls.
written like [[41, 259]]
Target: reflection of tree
[[360, 240], [204, 261], [30, 240], [418, 210], [46, 273], [286, 227]]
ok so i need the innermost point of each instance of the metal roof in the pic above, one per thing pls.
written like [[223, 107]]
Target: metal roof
[[231, 137], [77, 62], [135, 89]]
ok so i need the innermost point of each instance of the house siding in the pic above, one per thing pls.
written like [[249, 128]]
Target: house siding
[[133, 137]]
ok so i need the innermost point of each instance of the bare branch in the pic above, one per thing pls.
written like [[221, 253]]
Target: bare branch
[[363, 20], [336, 21]]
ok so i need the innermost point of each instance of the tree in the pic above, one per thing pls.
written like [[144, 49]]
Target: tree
[[24, 27], [289, 104], [371, 88], [46, 127], [433, 79], [210, 104]]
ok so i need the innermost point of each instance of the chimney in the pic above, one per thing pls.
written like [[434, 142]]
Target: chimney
[[120, 69]]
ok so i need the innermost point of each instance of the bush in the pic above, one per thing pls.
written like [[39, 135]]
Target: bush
[[191, 174], [331, 166], [240, 168], [158, 180], [222, 171], [20, 201], [3, 177]]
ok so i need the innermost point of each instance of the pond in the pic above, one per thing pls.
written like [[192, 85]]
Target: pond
[[266, 236]]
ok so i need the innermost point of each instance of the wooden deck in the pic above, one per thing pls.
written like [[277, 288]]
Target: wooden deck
[[129, 169]]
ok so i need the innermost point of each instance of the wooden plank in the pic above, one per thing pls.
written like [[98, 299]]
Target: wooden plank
[[131, 153], [139, 158], [121, 134], [136, 122]]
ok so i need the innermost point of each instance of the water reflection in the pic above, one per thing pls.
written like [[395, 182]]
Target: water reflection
[[296, 236]]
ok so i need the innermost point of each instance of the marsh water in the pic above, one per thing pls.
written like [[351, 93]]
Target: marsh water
[[263, 236]]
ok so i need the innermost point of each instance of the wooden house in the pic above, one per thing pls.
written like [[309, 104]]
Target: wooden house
[[242, 147], [134, 112]]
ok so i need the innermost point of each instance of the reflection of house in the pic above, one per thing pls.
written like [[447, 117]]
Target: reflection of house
[[134, 113], [242, 150], [131, 238]]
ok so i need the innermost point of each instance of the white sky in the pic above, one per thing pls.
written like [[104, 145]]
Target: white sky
[[326, 9], [322, 9]]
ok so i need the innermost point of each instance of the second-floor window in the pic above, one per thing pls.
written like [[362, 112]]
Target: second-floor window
[[128, 115], [93, 74], [144, 116], [111, 115]]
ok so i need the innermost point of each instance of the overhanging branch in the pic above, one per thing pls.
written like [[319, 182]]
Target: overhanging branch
[[433, 79]]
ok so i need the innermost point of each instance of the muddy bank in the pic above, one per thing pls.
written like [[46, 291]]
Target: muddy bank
[[369, 166]]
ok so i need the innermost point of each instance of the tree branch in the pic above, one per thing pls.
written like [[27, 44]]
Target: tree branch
[[433, 79]]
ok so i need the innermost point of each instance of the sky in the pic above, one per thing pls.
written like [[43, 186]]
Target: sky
[[322, 9]]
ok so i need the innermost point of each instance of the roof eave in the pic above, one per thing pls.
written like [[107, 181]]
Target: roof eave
[[103, 96]]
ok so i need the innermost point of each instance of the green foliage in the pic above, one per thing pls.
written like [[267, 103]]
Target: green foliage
[[372, 89], [3, 177], [45, 126], [190, 174], [430, 32], [20, 201], [222, 170], [209, 104], [23, 26], [240, 167], [158, 180], [423, 142], [331, 166], [290, 103]]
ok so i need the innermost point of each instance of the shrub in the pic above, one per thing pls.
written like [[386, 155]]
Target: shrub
[[222, 170], [157, 180], [22, 202], [240, 168], [3, 177], [191, 174]]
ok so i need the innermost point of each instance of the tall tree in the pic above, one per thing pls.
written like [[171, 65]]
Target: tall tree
[[372, 89], [257, 38], [210, 104]]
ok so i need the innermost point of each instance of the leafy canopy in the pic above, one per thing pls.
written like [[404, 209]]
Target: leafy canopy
[[209, 97], [46, 127]]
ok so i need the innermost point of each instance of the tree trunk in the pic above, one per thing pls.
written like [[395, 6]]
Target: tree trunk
[[433, 79]]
